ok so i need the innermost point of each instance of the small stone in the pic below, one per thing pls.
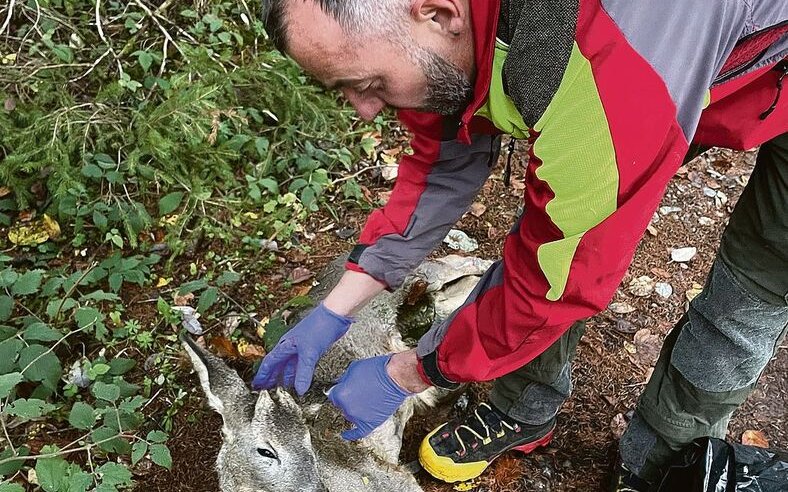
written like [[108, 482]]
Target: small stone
[[709, 192], [641, 286], [705, 221], [269, 245], [345, 233], [663, 289], [683, 255], [621, 307], [456, 239], [389, 173]]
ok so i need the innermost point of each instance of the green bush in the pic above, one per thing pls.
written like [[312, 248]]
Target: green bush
[[120, 118]]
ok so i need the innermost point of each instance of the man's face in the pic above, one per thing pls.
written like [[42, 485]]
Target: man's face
[[373, 72]]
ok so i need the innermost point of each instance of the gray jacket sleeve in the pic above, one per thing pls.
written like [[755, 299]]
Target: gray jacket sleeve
[[434, 187]]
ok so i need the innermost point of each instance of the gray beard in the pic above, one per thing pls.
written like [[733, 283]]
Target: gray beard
[[449, 90]]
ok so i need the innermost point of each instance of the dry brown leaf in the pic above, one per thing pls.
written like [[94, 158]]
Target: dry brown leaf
[[652, 230], [618, 425], [621, 307], [383, 197], [754, 438], [647, 345], [477, 209], [300, 274], [659, 272], [250, 351], [224, 347], [641, 286], [26, 215], [4, 191], [416, 291], [183, 300]]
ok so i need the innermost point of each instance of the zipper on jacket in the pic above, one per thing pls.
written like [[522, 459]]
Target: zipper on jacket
[[733, 72], [781, 67], [507, 170]]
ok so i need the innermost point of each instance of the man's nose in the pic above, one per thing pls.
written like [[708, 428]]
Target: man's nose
[[367, 107]]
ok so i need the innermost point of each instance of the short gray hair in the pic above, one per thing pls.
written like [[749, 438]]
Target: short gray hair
[[354, 16]]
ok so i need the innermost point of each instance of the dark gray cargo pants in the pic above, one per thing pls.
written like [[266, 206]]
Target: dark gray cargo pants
[[714, 356]]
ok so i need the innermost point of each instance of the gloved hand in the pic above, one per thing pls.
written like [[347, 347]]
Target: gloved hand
[[367, 396], [295, 356]]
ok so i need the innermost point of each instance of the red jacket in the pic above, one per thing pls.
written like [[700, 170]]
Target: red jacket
[[610, 110]]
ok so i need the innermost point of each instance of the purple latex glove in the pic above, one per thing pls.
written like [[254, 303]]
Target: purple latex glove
[[294, 358], [367, 396]]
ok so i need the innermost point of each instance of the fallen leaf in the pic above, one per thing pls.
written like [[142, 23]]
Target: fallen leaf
[[705, 221], [624, 326], [694, 291], [29, 235], [163, 282], [26, 215], [250, 351], [183, 300], [641, 286], [683, 255], [647, 345], [618, 425], [754, 438], [621, 307], [51, 226], [660, 272], [299, 274], [224, 347], [629, 347], [477, 209], [651, 230], [4, 191], [383, 197], [231, 322], [416, 291], [713, 184]]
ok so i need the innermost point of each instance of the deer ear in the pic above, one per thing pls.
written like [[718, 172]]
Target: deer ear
[[223, 387]]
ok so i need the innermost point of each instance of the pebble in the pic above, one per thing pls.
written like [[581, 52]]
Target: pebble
[[709, 192], [663, 289], [669, 210], [683, 255], [705, 221]]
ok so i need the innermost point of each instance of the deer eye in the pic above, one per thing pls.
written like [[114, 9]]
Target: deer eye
[[267, 453]]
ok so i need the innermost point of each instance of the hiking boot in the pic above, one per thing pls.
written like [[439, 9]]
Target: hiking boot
[[626, 481], [461, 450]]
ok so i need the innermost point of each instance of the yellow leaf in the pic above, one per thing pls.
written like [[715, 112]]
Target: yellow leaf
[[163, 282], [28, 235], [462, 486], [51, 226]]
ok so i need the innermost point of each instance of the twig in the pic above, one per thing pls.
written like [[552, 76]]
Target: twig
[[161, 28], [7, 22], [347, 178], [64, 452], [92, 66]]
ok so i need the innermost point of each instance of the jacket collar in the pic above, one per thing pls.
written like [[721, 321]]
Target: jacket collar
[[484, 21]]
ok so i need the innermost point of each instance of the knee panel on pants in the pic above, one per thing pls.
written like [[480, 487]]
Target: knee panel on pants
[[730, 337]]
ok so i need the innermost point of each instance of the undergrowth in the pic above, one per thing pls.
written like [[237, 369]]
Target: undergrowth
[[130, 131]]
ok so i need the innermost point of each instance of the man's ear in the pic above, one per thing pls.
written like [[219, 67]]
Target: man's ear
[[449, 16]]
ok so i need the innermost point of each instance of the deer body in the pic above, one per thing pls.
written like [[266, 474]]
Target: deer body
[[274, 443]]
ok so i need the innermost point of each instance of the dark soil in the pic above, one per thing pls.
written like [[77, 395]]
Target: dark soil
[[610, 370]]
